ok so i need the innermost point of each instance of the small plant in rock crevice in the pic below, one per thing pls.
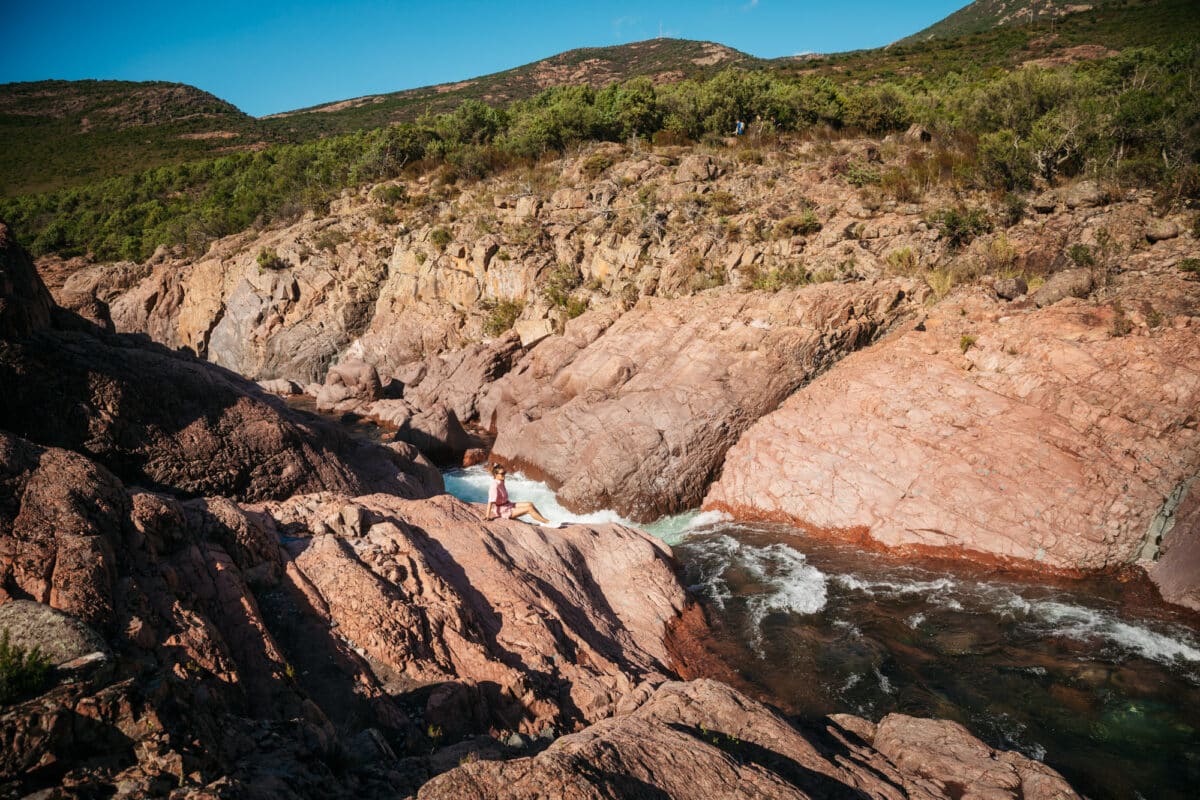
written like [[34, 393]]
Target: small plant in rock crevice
[[23, 672]]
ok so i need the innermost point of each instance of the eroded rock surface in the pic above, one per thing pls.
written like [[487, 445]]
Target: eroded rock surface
[[703, 739], [1056, 437], [636, 413]]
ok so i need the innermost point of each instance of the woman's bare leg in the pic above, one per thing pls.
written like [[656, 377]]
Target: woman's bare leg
[[522, 509]]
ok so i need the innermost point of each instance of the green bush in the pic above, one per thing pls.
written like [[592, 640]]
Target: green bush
[[391, 194], [328, 240], [959, 226], [859, 174], [594, 165], [560, 283], [1081, 255], [23, 673], [779, 278], [1190, 266], [440, 237], [801, 224], [269, 259], [966, 342], [501, 315]]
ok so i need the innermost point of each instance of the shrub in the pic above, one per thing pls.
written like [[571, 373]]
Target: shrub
[[959, 226], [750, 155], [393, 194], [966, 343], [269, 259], [575, 306], [1004, 161], [1014, 210], [904, 261], [1190, 266], [561, 281], [384, 215], [999, 255], [501, 314], [22, 672], [329, 240], [1122, 325], [779, 278], [722, 203], [440, 237], [1081, 255], [801, 224], [900, 186], [594, 165], [859, 174]]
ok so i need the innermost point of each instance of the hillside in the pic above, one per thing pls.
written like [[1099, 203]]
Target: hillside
[[62, 133], [1079, 36], [662, 60], [983, 15]]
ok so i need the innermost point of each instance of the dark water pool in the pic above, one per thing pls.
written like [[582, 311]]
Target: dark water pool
[[1102, 686]]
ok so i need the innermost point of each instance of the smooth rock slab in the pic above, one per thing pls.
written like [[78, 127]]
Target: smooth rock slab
[[704, 740]]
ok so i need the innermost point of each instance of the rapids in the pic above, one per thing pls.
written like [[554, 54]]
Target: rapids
[[1095, 678]]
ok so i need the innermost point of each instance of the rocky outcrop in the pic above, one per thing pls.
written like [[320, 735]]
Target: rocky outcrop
[[636, 413], [25, 304], [703, 739], [168, 421], [268, 637], [1061, 438]]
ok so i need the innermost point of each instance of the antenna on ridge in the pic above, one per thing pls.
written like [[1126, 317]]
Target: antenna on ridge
[[660, 29]]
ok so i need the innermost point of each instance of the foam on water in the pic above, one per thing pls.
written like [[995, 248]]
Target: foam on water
[[472, 485], [774, 579], [782, 580], [1047, 616]]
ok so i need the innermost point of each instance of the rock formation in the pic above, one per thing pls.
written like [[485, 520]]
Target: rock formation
[[703, 739], [636, 413], [1063, 437]]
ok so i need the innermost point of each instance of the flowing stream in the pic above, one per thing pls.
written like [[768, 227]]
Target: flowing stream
[[1095, 678]]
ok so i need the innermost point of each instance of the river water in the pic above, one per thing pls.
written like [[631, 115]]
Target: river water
[[1094, 678]]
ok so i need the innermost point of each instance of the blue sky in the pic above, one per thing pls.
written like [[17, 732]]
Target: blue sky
[[276, 56]]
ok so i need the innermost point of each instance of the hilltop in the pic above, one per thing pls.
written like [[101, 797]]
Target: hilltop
[[661, 60], [56, 134], [983, 15], [61, 133]]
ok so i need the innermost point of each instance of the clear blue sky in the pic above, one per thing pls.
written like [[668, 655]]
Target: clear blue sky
[[276, 56]]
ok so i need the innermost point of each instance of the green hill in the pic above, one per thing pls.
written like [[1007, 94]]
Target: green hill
[[983, 15], [55, 134], [62, 133], [662, 60]]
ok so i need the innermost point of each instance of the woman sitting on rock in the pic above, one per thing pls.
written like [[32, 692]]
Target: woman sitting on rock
[[499, 505]]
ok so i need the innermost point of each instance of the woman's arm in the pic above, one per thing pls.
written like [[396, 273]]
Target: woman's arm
[[490, 508]]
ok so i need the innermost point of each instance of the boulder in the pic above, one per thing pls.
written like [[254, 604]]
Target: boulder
[[281, 387], [25, 304], [60, 637], [918, 133], [636, 414], [696, 168], [1162, 230], [353, 383], [438, 434], [1045, 203], [1061, 285], [703, 739], [1085, 194], [457, 380], [1011, 288], [1035, 438]]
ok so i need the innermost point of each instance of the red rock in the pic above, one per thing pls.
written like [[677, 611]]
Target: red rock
[[636, 414], [703, 739], [1039, 438]]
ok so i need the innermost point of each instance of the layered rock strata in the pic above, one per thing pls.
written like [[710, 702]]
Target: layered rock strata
[[636, 413], [1062, 438]]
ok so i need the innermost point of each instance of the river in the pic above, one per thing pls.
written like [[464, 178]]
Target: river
[[1097, 680]]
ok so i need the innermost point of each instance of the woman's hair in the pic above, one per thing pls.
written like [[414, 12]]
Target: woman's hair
[[497, 468]]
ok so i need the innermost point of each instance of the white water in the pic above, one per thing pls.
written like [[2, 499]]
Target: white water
[[472, 484], [777, 578]]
